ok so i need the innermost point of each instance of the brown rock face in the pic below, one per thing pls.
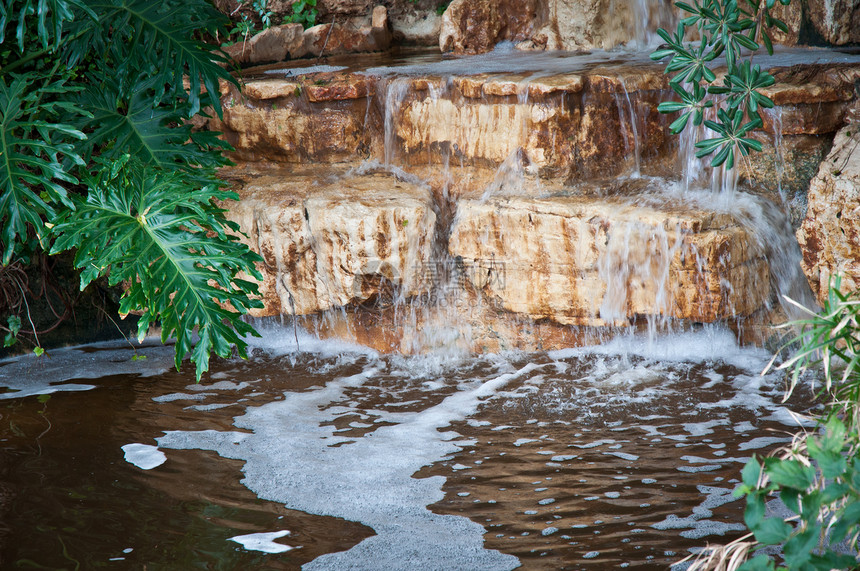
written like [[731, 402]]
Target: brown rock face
[[334, 38], [836, 22], [272, 44], [591, 262], [830, 234], [476, 26], [336, 243]]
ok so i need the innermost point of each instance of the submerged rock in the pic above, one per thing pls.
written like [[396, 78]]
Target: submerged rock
[[830, 235]]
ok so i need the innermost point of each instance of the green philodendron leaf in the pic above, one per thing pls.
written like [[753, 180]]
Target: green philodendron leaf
[[160, 36], [127, 121], [159, 235], [30, 170]]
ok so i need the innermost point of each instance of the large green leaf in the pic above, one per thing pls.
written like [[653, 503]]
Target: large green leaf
[[165, 241], [31, 147], [126, 121], [159, 39], [50, 17]]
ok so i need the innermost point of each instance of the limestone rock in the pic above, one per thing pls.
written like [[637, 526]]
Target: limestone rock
[[830, 235], [333, 38], [288, 134], [591, 262], [298, 119], [476, 26], [836, 22], [417, 27], [333, 243], [271, 45]]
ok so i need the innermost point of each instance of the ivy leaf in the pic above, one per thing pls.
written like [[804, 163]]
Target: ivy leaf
[[159, 235]]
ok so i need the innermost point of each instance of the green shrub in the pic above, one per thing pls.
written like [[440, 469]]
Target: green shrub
[[98, 155], [304, 13], [818, 480], [725, 29]]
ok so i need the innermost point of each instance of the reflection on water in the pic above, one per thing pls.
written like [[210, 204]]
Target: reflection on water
[[619, 455]]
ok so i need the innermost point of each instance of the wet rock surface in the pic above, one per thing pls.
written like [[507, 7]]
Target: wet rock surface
[[476, 26], [332, 243], [541, 172], [830, 234], [596, 262]]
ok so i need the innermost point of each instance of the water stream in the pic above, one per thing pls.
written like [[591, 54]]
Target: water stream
[[622, 454]]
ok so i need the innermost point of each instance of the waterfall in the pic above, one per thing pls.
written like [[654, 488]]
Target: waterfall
[[631, 119]]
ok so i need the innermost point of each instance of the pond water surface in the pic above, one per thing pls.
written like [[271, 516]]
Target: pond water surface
[[619, 455]]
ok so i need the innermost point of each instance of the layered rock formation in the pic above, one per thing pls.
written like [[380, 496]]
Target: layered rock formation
[[476, 26], [333, 243], [596, 262], [510, 204], [830, 234]]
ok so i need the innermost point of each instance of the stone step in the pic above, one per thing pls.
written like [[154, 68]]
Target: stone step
[[338, 238], [329, 239], [568, 125], [586, 261]]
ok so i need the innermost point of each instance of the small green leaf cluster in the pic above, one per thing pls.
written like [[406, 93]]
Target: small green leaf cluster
[[261, 7], [725, 28], [97, 154], [304, 13], [13, 323], [819, 483]]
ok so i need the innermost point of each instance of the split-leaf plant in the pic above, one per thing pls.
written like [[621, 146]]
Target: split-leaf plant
[[97, 154], [729, 32]]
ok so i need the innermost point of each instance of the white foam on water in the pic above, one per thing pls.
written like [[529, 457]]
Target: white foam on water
[[278, 340], [181, 396], [709, 344], [595, 444], [290, 458], [28, 375], [144, 456], [218, 386], [264, 542], [623, 456]]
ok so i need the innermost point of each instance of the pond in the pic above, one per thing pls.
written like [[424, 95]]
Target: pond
[[621, 454]]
